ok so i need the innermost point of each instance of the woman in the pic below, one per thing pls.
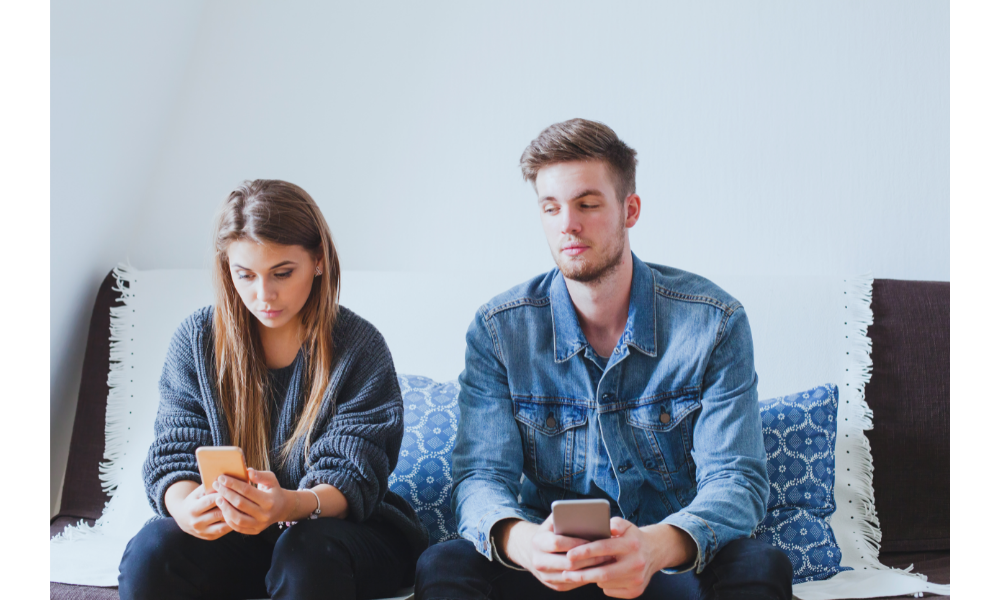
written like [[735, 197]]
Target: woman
[[307, 389]]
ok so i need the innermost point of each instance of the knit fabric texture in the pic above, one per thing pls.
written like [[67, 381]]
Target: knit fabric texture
[[354, 443]]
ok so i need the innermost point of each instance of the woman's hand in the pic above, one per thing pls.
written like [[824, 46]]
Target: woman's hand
[[194, 510], [250, 510]]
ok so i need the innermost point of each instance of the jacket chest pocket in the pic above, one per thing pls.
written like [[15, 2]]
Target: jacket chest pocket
[[662, 430], [554, 439]]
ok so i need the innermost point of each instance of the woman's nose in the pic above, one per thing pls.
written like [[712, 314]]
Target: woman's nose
[[267, 292]]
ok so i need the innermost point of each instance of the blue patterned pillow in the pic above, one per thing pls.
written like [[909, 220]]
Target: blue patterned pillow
[[800, 432], [423, 472]]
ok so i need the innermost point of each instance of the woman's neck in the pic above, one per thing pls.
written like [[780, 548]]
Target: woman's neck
[[281, 345]]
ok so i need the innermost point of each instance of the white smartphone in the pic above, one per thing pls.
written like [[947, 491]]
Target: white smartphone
[[588, 519]]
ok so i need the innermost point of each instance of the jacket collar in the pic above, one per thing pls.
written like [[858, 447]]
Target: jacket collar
[[640, 329]]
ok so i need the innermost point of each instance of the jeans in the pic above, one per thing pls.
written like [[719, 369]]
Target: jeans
[[744, 569], [322, 558]]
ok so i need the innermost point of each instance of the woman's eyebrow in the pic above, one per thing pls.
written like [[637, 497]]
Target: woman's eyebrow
[[281, 264]]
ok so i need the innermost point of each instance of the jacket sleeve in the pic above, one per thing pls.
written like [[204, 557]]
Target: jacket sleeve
[[181, 425], [728, 448], [487, 461], [359, 444]]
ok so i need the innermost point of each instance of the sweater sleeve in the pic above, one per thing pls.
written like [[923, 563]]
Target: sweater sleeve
[[181, 425], [360, 442]]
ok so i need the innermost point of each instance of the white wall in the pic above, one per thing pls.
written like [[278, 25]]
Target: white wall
[[116, 72], [779, 137]]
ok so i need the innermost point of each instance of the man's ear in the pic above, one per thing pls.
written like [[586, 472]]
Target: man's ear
[[633, 206]]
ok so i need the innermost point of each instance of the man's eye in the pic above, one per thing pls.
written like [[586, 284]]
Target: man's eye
[[550, 210], [283, 275]]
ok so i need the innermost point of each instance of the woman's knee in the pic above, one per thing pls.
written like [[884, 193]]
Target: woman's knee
[[327, 538], [147, 559]]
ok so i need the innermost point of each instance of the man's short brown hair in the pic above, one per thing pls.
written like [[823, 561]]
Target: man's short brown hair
[[580, 139]]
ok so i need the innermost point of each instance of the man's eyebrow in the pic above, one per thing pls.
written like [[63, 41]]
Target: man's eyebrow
[[583, 194]]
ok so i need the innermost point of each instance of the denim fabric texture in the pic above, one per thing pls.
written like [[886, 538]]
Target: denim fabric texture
[[423, 471], [800, 433], [670, 433]]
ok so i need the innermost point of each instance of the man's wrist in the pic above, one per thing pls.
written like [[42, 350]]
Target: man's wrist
[[675, 547]]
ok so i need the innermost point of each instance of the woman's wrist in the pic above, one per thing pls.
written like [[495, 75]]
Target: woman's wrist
[[290, 506]]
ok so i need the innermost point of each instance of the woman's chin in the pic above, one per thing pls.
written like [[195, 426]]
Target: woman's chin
[[273, 322]]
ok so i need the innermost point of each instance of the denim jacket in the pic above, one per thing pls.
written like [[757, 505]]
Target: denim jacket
[[669, 432]]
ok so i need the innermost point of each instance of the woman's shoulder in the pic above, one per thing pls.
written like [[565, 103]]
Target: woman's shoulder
[[198, 321], [353, 333], [194, 327]]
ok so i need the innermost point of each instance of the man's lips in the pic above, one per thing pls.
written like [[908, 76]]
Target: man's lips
[[574, 249]]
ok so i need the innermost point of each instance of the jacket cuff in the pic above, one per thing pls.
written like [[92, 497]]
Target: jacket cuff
[[704, 538], [484, 531]]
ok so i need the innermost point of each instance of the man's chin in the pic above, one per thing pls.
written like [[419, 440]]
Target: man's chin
[[582, 272]]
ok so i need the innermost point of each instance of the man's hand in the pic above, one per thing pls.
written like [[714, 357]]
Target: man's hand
[[638, 553], [539, 550]]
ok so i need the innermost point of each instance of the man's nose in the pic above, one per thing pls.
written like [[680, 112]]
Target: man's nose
[[570, 222]]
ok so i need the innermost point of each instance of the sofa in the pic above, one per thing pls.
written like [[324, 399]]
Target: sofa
[[908, 395]]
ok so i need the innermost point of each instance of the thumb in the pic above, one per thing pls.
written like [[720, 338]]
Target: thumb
[[266, 478], [547, 524], [619, 526]]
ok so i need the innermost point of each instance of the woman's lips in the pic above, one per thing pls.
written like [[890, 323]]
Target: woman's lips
[[270, 314], [574, 250]]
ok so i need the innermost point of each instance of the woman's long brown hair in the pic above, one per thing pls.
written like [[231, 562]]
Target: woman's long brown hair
[[270, 212]]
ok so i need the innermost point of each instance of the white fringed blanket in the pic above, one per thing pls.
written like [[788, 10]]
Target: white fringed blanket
[[806, 332]]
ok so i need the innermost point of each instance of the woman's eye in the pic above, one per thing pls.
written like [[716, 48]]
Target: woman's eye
[[243, 276], [283, 275]]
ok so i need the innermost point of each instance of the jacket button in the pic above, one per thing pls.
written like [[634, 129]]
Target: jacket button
[[624, 467], [551, 421], [664, 418], [607, 396]]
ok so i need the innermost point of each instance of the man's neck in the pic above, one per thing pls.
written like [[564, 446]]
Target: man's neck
[[602, 306]]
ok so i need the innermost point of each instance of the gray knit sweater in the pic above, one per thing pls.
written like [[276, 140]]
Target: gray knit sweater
[[355, 442]]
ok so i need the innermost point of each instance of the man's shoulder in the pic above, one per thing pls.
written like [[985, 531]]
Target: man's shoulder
[[531, 293], [677, 285]]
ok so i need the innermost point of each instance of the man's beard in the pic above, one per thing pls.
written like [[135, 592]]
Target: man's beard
[[597, 268]]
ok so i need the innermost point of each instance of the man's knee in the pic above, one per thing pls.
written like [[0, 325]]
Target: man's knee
[[447, 563], [756, 566], [452, 552]]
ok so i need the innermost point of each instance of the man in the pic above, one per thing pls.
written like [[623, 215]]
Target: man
[[606, 378]]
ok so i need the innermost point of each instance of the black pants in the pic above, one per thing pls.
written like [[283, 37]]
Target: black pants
[[322, 558], [746, 569]]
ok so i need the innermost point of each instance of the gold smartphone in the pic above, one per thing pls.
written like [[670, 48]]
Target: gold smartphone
[[214, 461]]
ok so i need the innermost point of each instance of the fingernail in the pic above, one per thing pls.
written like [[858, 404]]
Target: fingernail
[[222, 479]]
